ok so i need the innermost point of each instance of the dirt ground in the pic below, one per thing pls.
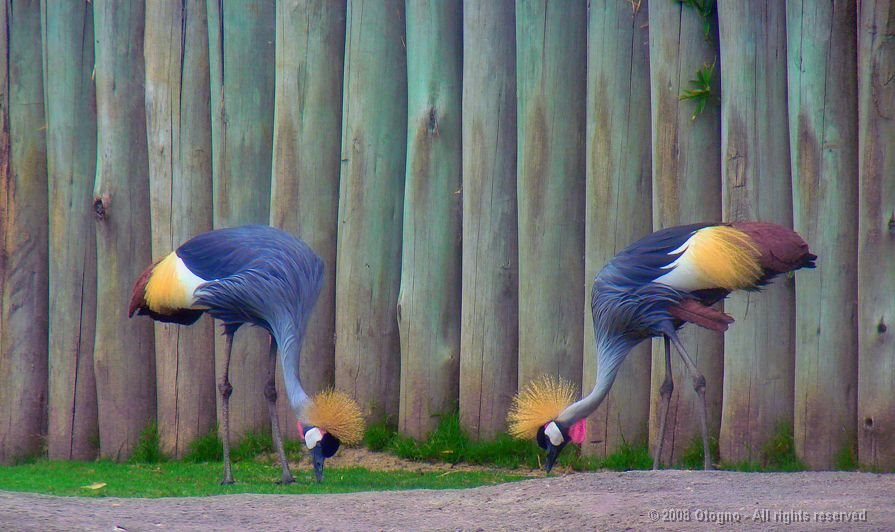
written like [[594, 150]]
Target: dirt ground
[[636, 500]]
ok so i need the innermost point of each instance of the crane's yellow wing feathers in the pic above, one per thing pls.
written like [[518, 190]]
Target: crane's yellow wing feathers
[[539, 402], [336, 413], [726, 257]]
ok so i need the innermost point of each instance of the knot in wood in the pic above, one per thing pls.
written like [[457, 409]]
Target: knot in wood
[[101, 206], [433, 122]]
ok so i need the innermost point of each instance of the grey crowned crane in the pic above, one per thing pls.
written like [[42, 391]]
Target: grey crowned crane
[[651, 289], [261, 276]]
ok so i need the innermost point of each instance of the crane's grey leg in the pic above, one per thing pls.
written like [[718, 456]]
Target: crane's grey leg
[[225, 389], [270, 393], [664, 400], [699, 386]]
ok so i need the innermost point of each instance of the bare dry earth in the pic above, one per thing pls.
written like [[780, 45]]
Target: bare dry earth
[[642, 500]]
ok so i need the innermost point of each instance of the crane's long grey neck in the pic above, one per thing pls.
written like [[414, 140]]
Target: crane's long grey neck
[[289, 340], [611, 352]]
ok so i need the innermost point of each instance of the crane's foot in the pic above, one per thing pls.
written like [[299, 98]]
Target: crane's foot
[[286, 480]]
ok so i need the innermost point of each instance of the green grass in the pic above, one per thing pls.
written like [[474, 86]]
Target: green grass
[[448, 443], [149, 473], [845, 459], [777, 454], [183, 479]]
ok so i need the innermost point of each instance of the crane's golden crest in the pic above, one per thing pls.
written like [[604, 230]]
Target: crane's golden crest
[[715, 257], [539, 402], [336, 413]]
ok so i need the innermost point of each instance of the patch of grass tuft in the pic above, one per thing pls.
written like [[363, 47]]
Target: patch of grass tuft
[[779, 452], [379, 437], [208, 448], [251, 445], [692, 457], [148, 450], [629, 457], [845, 459]]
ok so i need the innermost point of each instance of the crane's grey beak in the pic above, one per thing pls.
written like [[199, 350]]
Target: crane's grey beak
[[317, 456], [552, 454], [545, 433]]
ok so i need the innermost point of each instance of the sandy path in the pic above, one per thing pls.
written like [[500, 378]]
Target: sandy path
[[607, 500]]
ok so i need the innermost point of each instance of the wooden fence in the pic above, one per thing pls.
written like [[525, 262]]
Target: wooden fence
[[464, 168]]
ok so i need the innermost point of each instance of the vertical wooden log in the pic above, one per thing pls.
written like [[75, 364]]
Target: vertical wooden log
[[876, 237], [306, 149], [429, 299], [179, 135], [618, 209], [371, 199], [822, 74], [686, 189], [241, 35], [489, 335], [23, 229], [123, 357], [759, 350], [551, 43], [70, 100]]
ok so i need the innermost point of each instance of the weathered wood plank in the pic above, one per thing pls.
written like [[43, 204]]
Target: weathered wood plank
[[241, 40], [371, 199], [429, 298], [551, 43], [70, 101], [23, 229], [619, 208], [876, 236], [686, 188], [179, 134], [759, 350], [489, 335], [822, 126], [123, 357], [306, 150]]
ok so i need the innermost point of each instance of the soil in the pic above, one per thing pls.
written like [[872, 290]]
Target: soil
[[634, 500]]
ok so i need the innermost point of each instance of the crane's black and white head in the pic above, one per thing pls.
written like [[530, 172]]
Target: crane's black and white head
[[329, 420], [534, 414], [321, 444], [553, 439]]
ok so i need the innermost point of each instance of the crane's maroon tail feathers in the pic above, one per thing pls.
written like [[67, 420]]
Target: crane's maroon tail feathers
[[782, 250], [138, 303], [693, 311]]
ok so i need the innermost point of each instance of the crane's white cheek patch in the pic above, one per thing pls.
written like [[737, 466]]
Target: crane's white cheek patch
[[553, 433], [189, 280], [313, 437]]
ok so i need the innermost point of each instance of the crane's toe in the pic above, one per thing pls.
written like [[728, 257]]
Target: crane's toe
[[286, 480]]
